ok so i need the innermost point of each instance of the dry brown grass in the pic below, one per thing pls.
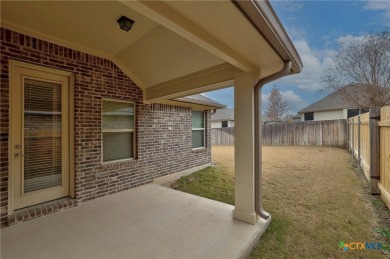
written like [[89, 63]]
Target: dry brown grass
[[315, 200]]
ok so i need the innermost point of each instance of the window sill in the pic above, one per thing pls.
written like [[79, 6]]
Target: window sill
[[199, 150], [126, 160]]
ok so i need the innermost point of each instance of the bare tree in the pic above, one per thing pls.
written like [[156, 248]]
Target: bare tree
[[277, 108], [364, 66]]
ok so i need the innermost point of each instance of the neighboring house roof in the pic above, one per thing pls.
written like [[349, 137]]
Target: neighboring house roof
[[201, 100], [223, 115], [264, 118], [334, 101]]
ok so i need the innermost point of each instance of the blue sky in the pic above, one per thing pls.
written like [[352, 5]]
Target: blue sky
[[317, 28]]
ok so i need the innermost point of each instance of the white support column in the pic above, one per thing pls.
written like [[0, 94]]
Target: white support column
[[244, 148]]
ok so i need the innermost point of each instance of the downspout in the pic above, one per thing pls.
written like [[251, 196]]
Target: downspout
[[258, 172]]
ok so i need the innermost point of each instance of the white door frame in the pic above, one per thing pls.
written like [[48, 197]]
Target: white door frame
[[13, 65]]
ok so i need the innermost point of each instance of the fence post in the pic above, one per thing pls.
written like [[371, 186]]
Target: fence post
[[374, 149], [359, 158], [353, 138], [350, 134]]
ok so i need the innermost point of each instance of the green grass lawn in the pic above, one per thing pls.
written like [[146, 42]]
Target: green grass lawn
[[314, 196], [216, 183]]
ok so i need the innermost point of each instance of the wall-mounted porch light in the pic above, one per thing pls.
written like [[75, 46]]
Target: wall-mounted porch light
[[125, 23]]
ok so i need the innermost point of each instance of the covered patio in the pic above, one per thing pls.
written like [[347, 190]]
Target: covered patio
[[174, 49], [149, 221]]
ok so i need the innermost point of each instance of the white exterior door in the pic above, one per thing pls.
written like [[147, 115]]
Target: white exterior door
[[39, 150]]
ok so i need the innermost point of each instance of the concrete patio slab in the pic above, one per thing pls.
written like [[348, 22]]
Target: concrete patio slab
[[150, 221]]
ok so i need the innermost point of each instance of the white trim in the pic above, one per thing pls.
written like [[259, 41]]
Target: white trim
[[12, 65], [200, 129], [16, 63], [11, 68], [208, 79], [117, 100], [198, 148], [117, 130]]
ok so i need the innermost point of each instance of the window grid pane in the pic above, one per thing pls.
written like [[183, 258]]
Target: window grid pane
[[117, 146], [117, 128], [197, 138], [198, 129], [197, 119]]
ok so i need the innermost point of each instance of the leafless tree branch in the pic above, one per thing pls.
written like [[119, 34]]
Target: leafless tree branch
[[366, 64]]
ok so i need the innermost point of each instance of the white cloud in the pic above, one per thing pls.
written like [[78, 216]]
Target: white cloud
[[264, 99], [294, 101], [379, 5], [345, 39], [290, 6], [296, 33], [314, 63]]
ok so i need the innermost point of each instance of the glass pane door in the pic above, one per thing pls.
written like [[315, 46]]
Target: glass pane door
[[42, 135]]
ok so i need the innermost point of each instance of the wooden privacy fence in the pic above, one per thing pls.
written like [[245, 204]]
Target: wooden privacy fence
[[222, 136], [306, 133], [369, 142], [322, 133]]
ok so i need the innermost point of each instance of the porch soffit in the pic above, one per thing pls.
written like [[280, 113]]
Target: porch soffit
[[175, 48]]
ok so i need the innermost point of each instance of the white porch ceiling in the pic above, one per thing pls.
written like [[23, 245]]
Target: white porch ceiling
[[171, 41]]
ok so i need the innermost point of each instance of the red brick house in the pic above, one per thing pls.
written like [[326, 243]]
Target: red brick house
[[160, 141], [88, 109]]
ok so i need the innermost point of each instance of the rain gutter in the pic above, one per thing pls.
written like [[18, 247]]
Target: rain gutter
[[286, 70], [264, 19]]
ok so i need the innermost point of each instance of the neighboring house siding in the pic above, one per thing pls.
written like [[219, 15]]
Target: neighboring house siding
[[216, 124], [163, 132], [328, 115], [345, 113]]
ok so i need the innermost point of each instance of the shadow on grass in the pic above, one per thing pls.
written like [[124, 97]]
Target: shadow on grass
[[216, 183]]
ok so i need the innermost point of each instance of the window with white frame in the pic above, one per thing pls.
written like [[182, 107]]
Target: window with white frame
[[118, 130], [198, 129]]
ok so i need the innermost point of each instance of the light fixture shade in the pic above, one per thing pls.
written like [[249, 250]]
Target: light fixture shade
[[125, 23]]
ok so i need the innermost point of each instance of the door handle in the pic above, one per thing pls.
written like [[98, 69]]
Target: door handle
[[18, 155], [18, 146]]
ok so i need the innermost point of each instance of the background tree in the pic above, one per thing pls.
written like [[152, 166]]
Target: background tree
[[277, 108], [364, 65]]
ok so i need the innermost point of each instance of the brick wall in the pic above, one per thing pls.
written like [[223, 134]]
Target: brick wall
[[163, 132]]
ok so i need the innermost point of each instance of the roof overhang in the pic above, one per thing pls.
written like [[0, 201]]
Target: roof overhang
[[175, 48], [202, 104]]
